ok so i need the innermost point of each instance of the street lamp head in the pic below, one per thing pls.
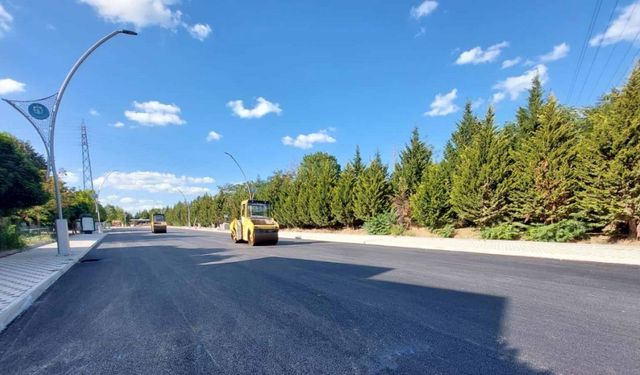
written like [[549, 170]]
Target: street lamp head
[[128, 32]]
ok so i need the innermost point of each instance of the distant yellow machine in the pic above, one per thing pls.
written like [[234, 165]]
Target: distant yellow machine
[[158, 223], [255, 225]]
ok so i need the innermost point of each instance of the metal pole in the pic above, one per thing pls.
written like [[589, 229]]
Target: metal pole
[[63, 242], [246, 180], [188, 207], [96, 195]]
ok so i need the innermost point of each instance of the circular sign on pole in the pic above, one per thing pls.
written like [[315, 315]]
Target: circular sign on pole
[[38, 111]]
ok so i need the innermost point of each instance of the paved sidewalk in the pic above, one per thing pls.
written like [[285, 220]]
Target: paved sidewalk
[[617, 254], [26, 275]]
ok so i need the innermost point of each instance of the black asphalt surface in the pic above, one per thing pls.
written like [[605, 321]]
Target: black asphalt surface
[[190, 302]]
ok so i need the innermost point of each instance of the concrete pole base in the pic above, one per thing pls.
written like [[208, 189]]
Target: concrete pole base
[[62, 233]]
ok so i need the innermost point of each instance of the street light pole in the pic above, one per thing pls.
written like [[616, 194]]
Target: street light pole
[[246, 180], [61, 223], [38, 113], [188, 207], [96, 195]]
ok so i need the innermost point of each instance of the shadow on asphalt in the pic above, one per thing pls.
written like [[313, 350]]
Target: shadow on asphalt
[[279, 315]]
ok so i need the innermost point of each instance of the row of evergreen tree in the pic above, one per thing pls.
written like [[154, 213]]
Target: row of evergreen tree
[[553, 163]]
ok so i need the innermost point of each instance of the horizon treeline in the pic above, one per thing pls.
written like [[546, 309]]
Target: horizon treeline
[[553, 164]]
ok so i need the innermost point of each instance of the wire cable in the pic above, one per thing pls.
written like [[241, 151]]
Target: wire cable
[[583, 50]]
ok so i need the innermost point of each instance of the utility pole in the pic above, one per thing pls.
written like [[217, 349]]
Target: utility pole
[[87, 175], [188, 207]]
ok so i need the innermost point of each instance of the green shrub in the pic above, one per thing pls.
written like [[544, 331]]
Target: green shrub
[[381, 223], [505, 231], [397, 230], [446, 231], [9, 238], [562, 231]]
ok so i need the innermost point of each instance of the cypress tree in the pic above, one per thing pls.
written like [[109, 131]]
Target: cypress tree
[[317, 175], [610, 162], [371, 193], [342, 201], [479, 188], [462, 136], [430, 204], [407, 175], [414, 160], [544, 167], [527, 118]]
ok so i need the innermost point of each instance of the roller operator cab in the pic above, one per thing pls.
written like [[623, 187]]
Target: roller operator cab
[[158, 223], [255, 225]]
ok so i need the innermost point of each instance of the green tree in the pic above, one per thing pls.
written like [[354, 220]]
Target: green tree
[[407, 175], [372, 190], [461, 136], [479, 189], [544, 167], [609, 172], [342, 200], [317, 175], [431, 202], [21, 185], [414, 160], [528, 118]]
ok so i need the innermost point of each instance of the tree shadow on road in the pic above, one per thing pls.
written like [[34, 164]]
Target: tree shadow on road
[[264, 315]]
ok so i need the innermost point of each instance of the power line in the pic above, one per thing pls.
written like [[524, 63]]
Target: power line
[[583, 50], [626, 53], [595, 56]]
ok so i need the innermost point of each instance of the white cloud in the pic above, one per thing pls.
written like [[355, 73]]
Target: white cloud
[[155, 182], [514, 86], [421, 32], [199, 31], [9, 86], [424, 9], [262, 108], [131, 204], [477, 55], [443, 104], [6, 20], [511, 62], [93, 112], [559, 52], [213, 136], [140, 13], [154, 113], [306, 141], [118, 124], [68, 177], [624, 28], [477, 103]]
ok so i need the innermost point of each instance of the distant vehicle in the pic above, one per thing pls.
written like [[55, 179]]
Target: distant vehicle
[[255, 225], [158, 223]]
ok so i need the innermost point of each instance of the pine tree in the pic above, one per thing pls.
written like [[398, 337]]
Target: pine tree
[[479, 189], [414, 160], [431, 202], [609, 171], [407, 175], [527, 118], [544, 167], [342, 201], [462, 136], [371, 193]]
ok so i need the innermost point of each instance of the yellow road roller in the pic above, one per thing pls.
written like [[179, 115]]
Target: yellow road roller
[[158, 223], [255, 225]]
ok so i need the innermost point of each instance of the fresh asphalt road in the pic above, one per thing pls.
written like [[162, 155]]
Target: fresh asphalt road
[[193, 302]]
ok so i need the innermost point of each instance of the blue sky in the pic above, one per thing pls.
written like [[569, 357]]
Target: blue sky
[[274, 80]]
